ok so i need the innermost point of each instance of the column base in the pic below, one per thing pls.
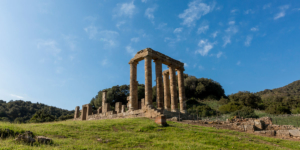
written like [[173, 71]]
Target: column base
[[183, 111], [174, 110]]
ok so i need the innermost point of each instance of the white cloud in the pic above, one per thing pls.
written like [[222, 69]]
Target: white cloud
[[234, 10], [201, 67], [231, 22], [215, 34], [232, 30], [119, 24], [254, 29], [282, 12], [136, 39], [267, 6], [219, 54], [50, 46], [106, 36], [149, 13], [205, 47], [248, 40], [126, 9], [59, 70], [186, 65], [177, 30], [17, 96], [226, 40], [104, 62], [238, 63], [144, 1], [130, 50], [161, 25], [249, 11], [202, 29], [196, 9]]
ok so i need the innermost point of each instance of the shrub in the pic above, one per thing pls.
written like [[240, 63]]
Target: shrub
[[245, 98], [230, 107], [278, 108], [245, 112], [201, 110]]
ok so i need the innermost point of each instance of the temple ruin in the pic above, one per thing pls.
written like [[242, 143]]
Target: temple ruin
[[167, 99]]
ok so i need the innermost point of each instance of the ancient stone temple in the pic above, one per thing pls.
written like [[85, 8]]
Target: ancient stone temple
[[167, 99]]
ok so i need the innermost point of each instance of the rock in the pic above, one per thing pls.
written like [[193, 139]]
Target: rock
[[295, 133], [161, 120], [43, 139], [259, 124], [26, 137], [283, 133], [176, 119], [100, 140]]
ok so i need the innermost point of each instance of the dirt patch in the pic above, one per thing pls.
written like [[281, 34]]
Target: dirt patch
[[115, 129]]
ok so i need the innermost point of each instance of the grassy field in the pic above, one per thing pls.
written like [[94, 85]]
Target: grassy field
[[140, 133]]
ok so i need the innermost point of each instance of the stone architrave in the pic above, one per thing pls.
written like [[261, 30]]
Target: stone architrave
[[148, 81], [167, 98], [76, 114], [133, 92], [173, 89], [159, 84], [181, 90], [118, 107]]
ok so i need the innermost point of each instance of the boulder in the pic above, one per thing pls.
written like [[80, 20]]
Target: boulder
[[161, 120], [283, 133], [295, 133], [26, 137], [43, 139]]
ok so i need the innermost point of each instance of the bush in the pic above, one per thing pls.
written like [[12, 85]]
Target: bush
[[245, 112], [230, 107], [42, 116], [201, 110], [278, 108], [246, 99]]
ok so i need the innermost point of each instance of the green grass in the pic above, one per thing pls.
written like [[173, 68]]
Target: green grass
[[140, 133]]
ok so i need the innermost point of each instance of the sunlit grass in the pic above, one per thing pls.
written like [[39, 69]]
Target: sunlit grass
[[140, 133]]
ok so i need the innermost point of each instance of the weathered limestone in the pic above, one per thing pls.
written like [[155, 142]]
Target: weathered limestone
[[181, 90], [159, 84], [86, 111], [133, 94], [167, 98], [123, 108], [161, 120], [106, 108], [173, 89], [142, 103], [99, 110], [104, 96], [118, 107], [105, 105], [76, 114], [148, 81]]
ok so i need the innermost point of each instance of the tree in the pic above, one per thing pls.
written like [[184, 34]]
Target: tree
[[42, 116]]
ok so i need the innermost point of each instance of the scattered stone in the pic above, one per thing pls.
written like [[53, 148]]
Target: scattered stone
[[295, 133], [26, 137], [283, 133], [100, 140], [43, 139], [161, 120]]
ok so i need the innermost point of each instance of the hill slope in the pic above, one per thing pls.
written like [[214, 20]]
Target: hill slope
[[140, 133], [291, 90], [21, 111]]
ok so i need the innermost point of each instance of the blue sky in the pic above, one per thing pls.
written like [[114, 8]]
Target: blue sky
[[62, 53]]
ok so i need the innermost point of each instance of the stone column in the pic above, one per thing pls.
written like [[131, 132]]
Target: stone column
[[159, 84], [181, 90], [133, 93], [104, 97], [167, 100], [173, 89], [148, 81], [136, 104], [76, 115]]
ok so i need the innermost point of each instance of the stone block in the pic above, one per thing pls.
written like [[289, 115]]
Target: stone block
[[99, 110], [118, 107], [283, 133], [259, 124], [295, 133], [123, 108], [161, 120], [106, 108]]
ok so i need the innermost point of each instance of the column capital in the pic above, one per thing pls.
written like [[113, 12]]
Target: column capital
[[180, 69], [157, 60], [133, 62], [166, 72]]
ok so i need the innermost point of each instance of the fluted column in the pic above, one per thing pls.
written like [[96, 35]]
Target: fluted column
[[167, 100], [173, 89], [148, 81], [181, 90], [133, 94], [159, 84]]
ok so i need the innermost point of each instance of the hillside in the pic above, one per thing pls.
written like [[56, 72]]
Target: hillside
[[140, 133], [291, 90], [22, 111]]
